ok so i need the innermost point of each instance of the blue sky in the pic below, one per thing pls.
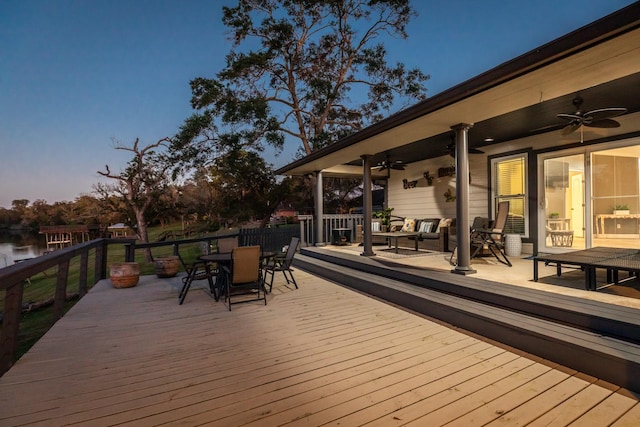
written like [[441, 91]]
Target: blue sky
[[76, 74]]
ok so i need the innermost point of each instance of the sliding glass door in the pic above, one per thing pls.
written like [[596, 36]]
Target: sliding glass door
[[589, 197]]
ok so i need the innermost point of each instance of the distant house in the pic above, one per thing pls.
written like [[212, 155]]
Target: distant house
[[283, 211], [120, 230]]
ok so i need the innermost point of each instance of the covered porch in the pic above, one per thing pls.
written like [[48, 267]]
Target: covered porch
[[503, 136]]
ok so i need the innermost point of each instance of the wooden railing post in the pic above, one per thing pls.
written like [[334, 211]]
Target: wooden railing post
[[10, 326], [101, 262], [130, 252], [60, 297], [82, 286]]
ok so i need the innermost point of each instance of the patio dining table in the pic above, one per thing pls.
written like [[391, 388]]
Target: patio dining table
[[613, 260]]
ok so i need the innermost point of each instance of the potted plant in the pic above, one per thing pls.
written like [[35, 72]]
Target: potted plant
[[124, 274], [385, 216], [167, 266], [554, 215], [622, 209]]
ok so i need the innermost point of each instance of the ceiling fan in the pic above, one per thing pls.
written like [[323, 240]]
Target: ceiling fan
[[388, 164], [451, 149], [600, 118]]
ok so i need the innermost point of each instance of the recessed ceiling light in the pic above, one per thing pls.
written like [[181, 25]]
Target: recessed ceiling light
[[489, 139]]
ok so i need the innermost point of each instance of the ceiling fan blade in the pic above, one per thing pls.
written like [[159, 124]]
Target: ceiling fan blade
[[569, 117], [604, 113], [603, 123], [570, 128]]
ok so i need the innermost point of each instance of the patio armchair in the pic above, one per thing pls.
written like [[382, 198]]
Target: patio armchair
[[283, 264], [376, 226], [243, 276]]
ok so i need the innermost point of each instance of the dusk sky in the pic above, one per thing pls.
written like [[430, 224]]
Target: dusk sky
[[77, 74]]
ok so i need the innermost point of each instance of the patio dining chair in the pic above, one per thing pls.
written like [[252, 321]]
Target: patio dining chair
[[243, 276], [283, 264], [198, 270], [226, 245]]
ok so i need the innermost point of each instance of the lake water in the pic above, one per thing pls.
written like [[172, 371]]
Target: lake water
[[17, 246]]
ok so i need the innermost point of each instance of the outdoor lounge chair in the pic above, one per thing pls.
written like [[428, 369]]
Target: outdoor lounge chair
[[243, 276], [479, 222], [492, 238], [283, 264]]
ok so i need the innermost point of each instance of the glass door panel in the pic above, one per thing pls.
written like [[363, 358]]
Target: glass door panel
[[615, 196], [563, 210]]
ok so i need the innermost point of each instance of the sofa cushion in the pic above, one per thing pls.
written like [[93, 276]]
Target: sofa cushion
[[425, 226], [409, 225], [444, 222]]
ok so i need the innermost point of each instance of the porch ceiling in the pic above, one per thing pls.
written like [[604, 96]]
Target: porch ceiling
[[526, 104]]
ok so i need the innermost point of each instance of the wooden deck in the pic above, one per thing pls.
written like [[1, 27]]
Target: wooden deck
[[320, 355]]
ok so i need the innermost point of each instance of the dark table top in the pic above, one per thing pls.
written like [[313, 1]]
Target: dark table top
[[226, 256], [591, 256]]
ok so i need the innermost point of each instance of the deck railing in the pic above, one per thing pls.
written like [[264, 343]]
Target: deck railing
[[329, 223], [13, 278]]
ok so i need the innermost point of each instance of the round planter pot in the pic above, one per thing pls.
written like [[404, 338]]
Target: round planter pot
[[167, 266], [124, 274], [513, 244]]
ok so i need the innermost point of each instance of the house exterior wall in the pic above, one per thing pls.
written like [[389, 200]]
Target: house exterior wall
[[426, 201]]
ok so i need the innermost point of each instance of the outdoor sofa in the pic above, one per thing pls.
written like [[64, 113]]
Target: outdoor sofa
[[434, 233]]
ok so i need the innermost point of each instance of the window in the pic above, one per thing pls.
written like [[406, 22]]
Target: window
[[509, 183]]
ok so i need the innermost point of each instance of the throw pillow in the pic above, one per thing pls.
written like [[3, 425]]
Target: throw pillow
[[425, 227], [444, 222], [409, 224]]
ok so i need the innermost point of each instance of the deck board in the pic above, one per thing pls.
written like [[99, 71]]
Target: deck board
[[319, 355]]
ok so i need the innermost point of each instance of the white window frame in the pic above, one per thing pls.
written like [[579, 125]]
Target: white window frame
[[495, 197]]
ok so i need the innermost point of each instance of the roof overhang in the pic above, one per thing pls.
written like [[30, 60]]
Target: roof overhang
[[604, 51]]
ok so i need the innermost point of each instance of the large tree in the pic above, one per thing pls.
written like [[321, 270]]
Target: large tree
[[312, 71], [139, 185]]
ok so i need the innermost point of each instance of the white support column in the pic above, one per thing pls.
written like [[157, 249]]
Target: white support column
[[319, 211], [367, 207], [462, 199]]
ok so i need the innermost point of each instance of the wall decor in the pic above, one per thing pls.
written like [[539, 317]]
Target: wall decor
[[448, 171], [409, 184], [449, 196], [429, 178]]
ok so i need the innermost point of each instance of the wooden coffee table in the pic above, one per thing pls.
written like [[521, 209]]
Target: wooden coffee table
[[396, 235]]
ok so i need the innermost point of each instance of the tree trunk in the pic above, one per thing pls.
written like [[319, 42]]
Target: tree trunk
[[143, 233]]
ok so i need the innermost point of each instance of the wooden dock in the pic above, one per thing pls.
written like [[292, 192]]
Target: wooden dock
[[319, 355]]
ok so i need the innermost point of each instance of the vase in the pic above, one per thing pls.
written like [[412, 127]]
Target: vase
[[124, 274], [167, 266]]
